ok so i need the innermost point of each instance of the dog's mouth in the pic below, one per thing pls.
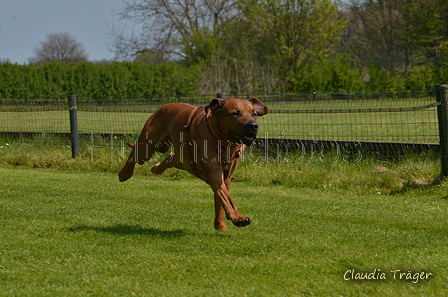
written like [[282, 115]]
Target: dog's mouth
[[246, 139]]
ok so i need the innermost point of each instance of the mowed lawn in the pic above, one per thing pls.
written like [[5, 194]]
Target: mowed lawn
[[69, 233]]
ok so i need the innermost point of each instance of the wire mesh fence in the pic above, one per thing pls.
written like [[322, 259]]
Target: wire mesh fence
[[391, 120], [385, 123]]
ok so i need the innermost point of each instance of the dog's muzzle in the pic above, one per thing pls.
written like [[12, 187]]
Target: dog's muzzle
[[247, 135]]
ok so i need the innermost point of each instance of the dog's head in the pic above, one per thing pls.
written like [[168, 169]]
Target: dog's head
[[238, 118]]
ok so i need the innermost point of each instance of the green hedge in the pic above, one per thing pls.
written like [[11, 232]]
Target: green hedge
[[340, 73], [345, 72], [90, 79]]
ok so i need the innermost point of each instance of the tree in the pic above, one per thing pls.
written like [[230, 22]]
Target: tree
[[61, 47], [376, 33], [171, 27], [241, 45], [430, 28], [293, 33], [395, 34]]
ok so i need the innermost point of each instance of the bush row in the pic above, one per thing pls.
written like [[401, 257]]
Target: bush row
[[127, 79], [91, 79], [344, 72]]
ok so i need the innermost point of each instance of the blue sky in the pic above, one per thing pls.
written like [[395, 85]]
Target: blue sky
[[25, 23]]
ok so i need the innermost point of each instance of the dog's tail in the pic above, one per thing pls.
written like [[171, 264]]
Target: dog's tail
[[130, 144]]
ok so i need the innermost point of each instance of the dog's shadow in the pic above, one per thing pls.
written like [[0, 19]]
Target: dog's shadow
[[122, 229]]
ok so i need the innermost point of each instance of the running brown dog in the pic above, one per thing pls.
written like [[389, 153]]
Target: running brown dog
[[206, 141]]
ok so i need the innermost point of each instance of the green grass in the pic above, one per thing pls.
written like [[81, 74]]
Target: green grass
[[80, 233], [366, 175], [69, 228]]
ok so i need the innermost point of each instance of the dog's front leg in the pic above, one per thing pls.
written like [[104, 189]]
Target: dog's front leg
[[223, 201], [219, 215]]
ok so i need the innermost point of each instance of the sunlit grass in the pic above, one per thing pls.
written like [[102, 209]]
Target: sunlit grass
[[69, 228], [80, 233], [364, 174]]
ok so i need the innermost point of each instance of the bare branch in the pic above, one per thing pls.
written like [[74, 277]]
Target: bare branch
[[167, 25]]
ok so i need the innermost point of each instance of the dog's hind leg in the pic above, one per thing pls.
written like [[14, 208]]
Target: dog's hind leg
[[145, 147], [169, 162]]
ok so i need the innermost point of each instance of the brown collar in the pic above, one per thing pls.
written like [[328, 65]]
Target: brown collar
[[224, 153]]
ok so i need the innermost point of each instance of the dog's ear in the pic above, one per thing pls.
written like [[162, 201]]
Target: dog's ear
[[215, 105], [259, 107]]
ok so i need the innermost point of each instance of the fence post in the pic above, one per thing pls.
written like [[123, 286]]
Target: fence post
[[221, 95], [442, 114], [74, 125]]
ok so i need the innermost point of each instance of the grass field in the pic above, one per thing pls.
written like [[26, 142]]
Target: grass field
[[69, 228], [81, 233]]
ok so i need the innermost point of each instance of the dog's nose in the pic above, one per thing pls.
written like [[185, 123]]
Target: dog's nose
[[252, 125]]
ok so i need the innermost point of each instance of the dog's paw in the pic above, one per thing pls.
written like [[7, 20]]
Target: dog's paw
[[221, 228], [242, 222], [123, 177], [126, 172], [156, 169]]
